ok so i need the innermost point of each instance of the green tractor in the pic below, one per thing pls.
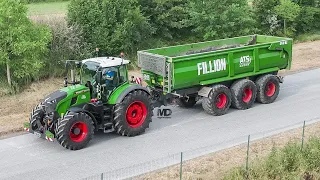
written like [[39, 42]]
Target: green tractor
[[102, 99]]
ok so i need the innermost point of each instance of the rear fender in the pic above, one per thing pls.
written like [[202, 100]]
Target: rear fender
[[126, 91]]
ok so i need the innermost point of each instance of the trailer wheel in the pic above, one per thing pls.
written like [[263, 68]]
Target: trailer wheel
[[268, 87], [244, 94], [218, 102], [134, 114], [74, 130], [186, 102]]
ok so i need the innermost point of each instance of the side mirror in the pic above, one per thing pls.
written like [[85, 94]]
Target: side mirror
[[65, 82]]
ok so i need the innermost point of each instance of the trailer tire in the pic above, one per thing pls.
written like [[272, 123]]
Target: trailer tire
[[268, 87], [186, 103], [134, 114], [218, 101], [244, 94], [74, 130]]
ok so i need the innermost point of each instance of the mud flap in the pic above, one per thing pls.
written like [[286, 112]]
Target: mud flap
[[204, 91], [47, 135]]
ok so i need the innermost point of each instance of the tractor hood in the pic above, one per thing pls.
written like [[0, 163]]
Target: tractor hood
[[53, 99], [64, 96]]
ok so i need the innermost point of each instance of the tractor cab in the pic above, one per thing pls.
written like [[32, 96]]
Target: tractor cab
[[103, 75]]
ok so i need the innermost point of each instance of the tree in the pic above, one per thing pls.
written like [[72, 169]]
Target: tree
[[22, 43], [308, 20], [113, 26], [167, 17], [221, 19], [288, 11], [267, 20]]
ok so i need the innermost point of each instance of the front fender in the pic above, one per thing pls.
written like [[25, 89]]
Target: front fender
[[80, 109], [118, 95]]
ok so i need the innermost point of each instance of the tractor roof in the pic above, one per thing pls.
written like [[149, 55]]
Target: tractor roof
[[107, 61]]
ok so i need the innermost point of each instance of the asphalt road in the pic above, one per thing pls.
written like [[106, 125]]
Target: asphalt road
[[28, 157]]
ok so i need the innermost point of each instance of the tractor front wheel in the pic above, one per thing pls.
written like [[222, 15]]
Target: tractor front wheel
[[36, 118], [74, 130], [133, 115]]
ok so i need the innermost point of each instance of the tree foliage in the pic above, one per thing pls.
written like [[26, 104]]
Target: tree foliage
[[168, 18], [288, 11], [267, 20], [113, 26], [221, 19], [22, 43], [309, 19]]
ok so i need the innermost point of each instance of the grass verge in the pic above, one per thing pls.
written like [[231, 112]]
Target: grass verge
[[314, 36], [289, 162]]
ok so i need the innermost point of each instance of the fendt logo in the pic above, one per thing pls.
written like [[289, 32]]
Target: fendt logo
[[164, 113]]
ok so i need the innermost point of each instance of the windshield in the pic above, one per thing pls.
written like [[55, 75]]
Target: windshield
[[88, 71]]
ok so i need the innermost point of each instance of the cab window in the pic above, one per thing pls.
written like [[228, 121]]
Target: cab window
[[123, 76]]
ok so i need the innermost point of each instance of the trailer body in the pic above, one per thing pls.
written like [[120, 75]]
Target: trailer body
[[182, 67]]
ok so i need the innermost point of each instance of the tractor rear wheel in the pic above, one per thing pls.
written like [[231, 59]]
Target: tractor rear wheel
[[186, 102], [133, 115], [218, 102], [244, 94], [74, 130], [36, 118], [268, 87]]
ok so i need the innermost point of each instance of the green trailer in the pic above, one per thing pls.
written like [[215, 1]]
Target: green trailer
[[232, 72]]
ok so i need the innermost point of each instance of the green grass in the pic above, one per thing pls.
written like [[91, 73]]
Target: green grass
[[289, 162], [314, 36], [48, 8]]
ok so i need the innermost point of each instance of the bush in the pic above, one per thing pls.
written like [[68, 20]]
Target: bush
[[221, 19], [267, 21], [113, 26], [167, 18], [309, 19], [67, 44]]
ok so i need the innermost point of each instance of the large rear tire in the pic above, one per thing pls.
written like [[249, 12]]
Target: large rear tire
[[74, 130], [268, 87], [244, 94], [186, 102], [218, 102], [134, 114]]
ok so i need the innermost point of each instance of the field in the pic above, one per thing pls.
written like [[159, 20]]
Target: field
[[48, 8]]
